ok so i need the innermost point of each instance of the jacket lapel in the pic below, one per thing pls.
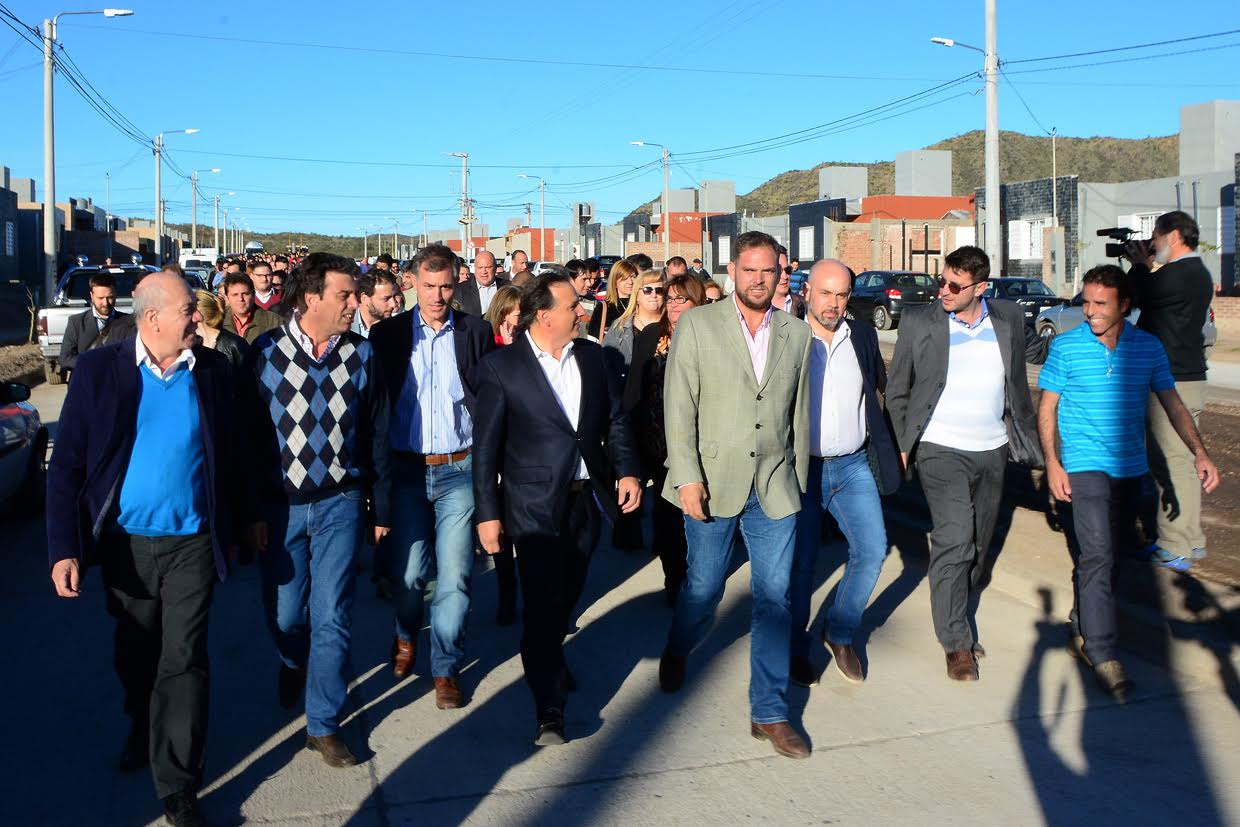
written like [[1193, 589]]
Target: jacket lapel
[[542, 386], [775, 346], [590, 401], [736, 338], [1001, 333], [939, 340]]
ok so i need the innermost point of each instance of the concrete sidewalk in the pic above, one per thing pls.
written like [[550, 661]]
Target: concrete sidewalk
[[1033, 742]]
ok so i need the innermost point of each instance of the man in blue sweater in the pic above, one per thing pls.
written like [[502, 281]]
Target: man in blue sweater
[[321, 414], [142, 451]]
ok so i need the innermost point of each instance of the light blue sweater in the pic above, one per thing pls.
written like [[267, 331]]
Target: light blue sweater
[[164, 493]]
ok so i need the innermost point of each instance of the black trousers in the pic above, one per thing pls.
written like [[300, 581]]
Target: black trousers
[[553, 573], [1099, 502], [963, 489], [159, 591], [669, 534]]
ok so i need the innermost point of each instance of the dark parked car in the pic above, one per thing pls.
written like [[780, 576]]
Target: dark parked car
[[23, 446], [605, 264], [882, 295], [1031, 294]]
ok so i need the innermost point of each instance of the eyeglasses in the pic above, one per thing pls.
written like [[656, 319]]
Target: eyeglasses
[[679, 299], [953, 287], [652, 290]]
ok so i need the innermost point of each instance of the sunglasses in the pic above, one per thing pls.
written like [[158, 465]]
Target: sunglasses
[[651, 290], [709, 300], [953, 287]]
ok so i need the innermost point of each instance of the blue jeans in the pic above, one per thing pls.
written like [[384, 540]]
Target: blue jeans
[[308, 573], [433, 539], [770, 544], [845, 487]]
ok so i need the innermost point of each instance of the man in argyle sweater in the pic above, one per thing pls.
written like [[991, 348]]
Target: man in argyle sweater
[[322, 423]]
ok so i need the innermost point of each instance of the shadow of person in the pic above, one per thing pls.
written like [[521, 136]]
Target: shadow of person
[[1215, 628], [1131, 764]]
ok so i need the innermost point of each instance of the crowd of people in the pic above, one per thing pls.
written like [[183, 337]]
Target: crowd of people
[[295, 416]]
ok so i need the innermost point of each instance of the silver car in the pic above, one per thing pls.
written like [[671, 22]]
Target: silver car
[[1055, 320]]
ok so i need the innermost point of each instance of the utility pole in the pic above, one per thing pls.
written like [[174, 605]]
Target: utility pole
[[1054, 179], [542, 217], [465, 217], [193, 238], [993, 226], [705, 227], [49, 164], [528, 218], [426, 236], [107, 211], [217, 225], [159, 213], [226, 244], [667, 222]]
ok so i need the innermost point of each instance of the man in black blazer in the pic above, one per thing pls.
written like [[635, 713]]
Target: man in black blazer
[[474, 295], [428, 357], [548, 451], [959, 400], [144, 484], [849, 435], [83, 328]]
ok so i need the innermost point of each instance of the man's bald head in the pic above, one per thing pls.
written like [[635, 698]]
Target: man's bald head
[[167, 316], [827, 291], [484, 267], [833, 270], [157, 291]]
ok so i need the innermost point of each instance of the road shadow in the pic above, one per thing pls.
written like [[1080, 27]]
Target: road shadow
[[1133, 764]]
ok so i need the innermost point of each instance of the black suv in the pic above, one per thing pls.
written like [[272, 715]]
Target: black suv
[[882, 295], [1032, 295]]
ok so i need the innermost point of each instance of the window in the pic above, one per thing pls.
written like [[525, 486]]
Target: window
[[725, 248], [10, 239], [1025, 237], [805, 243]]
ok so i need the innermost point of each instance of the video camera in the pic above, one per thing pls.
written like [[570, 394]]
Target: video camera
[[1122, 235]]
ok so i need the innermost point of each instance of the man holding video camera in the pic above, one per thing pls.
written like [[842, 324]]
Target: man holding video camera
[[1174, 300]]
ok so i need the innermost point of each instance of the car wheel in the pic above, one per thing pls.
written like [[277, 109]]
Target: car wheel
[[882, 319], [33, 492], [1047, 331]]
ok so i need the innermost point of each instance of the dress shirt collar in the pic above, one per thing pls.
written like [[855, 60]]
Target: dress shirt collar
[[981, 318], [306, 343], [449, 323], [541, 354], [143, 359], [766, 318], [106, 318]]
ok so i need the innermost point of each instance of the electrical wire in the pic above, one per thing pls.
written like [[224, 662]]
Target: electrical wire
[[1124, 48]]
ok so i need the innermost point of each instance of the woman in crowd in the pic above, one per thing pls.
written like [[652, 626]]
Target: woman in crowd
[[714, 292], [643, 399], [503, 314], [645, 309], [211, 332], [619, 292]]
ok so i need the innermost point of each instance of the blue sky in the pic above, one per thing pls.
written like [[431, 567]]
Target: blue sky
[[402, 85]]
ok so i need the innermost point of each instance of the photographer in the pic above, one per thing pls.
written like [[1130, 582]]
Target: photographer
[[1174, 301]]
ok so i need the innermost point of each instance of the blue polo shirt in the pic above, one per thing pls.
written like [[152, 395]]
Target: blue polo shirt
[[1103, 396]]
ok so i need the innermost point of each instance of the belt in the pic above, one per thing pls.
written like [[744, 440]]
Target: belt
[[577, 486], [433, 459]]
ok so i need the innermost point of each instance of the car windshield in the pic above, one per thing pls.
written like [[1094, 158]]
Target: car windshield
[[912, 280], [79, 282], [1028, 288]]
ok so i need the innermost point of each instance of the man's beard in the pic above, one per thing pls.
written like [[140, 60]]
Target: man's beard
[[743, 297], [1162, 254], [830, 324]]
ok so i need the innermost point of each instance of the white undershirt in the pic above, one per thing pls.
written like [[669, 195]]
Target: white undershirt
[[837, 404], [486, 293], [969, 416], [565, 380]]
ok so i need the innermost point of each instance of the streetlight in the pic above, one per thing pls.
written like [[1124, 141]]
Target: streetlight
[[666, 224], [49, 145], [194, 177], [542, 211], [218, 251], [991, 53], [159, 204]]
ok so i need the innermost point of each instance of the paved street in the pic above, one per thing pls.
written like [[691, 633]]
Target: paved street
[[1033, 742]]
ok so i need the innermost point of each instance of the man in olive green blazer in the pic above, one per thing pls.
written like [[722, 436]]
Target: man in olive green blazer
[[736, 416]]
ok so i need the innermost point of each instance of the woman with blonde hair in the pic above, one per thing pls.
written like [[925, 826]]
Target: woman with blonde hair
[[620, 280], [211, 330], [645, 308], [503, 314]]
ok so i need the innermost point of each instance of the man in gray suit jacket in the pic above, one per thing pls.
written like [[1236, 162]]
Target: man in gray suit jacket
[[474, 296], [958, 396], [736, 416], [83, 328]]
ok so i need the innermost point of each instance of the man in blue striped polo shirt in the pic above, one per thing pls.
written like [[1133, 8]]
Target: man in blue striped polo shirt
[[1092, 424]]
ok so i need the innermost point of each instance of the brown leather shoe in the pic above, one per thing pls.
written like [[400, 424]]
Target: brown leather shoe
[[846, 661], [448, 694], [335, 751], [962, 665], [782, 736], [404, 653]]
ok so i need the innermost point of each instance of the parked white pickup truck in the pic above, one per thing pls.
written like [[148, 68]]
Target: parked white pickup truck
[[73, 297]]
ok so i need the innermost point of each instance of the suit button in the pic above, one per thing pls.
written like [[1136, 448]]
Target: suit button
[[759, 397], [757, 426], [752, 454]]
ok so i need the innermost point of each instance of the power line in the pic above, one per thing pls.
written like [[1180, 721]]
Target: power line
[[1124, 48], [1127, 59], [1023, 102]]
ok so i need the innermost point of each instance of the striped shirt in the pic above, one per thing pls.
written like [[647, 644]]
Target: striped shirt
[[1102, 398], [430, 415]]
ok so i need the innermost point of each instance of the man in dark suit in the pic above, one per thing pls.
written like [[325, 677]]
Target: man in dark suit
[[143, 462], [548, 448], [959, 400], [83, 328], [474, 295], [428, 357], [849, 434]]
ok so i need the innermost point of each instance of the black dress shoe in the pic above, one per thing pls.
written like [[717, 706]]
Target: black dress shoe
[[550, 728], [136, 755], [802, 672], [182, 810], [671, 672], [292, 686]]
